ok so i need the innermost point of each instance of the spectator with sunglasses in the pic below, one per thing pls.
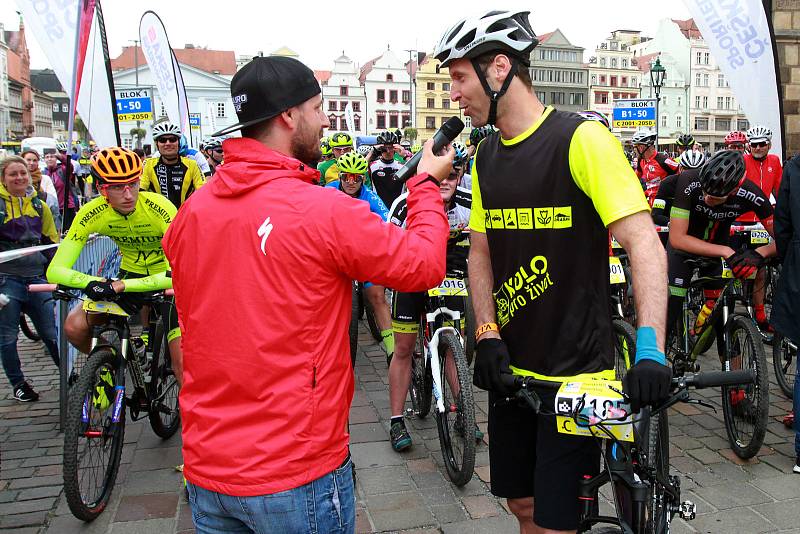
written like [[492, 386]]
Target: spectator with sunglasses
[[169, 174]]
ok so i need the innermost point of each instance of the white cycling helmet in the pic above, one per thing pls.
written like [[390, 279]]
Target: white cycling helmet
[[759, 134], [644, 136], [165, 128], [364, 150], [692, 159], [61, 146]]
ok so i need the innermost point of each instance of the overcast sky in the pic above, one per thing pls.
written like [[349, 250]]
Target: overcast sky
[[320, 31]]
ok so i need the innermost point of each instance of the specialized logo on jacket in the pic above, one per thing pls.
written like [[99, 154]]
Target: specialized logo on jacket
[[550, 218], [526, 285]]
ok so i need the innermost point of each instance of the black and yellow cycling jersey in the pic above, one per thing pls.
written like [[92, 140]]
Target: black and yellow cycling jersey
[[175, 181], [544, 199], [137, 234]]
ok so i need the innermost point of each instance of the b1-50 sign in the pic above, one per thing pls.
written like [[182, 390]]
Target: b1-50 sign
[[634, 113], [134, 105]]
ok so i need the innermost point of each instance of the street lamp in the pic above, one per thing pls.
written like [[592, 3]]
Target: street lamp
[[657, 75]]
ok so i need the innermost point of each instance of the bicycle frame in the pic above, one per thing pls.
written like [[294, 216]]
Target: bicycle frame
[[432, 358]]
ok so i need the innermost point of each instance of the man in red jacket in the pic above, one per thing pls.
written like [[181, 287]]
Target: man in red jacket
[[257, 256]]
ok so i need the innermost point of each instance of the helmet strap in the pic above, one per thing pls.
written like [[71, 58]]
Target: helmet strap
[[493, 95]]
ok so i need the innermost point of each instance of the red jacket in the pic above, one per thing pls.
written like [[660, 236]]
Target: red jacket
[[652, 171], [766, 174], [262, 263]]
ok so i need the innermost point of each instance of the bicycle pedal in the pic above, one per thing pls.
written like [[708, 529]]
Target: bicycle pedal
[[688, 510]]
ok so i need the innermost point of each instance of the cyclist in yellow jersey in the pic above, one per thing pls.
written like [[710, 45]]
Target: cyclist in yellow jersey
[[169, 174], [136, 221]]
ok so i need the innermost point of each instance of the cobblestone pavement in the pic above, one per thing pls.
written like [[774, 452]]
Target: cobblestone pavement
[[396, 492]]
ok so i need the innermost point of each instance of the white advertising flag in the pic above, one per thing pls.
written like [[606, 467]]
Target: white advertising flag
[[739, 36]]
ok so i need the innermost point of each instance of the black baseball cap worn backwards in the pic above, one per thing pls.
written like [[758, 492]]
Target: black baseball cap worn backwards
[[268, 86]]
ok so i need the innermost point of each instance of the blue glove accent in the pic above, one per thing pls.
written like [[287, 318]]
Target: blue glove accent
[[646, 346]]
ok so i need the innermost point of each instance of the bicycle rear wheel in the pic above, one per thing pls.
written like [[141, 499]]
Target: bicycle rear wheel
[[164, 414], [457, 424], [624, 347], [784, 360], [27, 328], [355, 313], [746, 407], [421, 387], [92, 449]]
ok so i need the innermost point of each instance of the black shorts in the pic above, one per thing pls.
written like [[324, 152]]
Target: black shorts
[[529, 458], [132, 303], [680, 273], [407, 308]]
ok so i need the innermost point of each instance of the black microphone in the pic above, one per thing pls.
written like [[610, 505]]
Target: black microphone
[[445, 135]]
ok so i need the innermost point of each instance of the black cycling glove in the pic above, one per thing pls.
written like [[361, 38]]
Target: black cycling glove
[[100, 290], [744, 262], [647, 383], [491, 363]]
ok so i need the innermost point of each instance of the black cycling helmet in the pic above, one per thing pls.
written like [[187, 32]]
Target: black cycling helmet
[[685, 140], [478, 134], [722, 173], [388, 138]]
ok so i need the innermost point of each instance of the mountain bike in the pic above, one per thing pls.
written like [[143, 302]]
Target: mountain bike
[[27, 328], [623, 332], [95, 424], [784, 360], [745, 410], [440, 372], [636, 450]]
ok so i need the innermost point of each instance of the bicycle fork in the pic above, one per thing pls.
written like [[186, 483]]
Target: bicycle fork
[[436, 369]]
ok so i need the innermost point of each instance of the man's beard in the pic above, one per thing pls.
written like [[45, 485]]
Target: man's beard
[[305, 148]]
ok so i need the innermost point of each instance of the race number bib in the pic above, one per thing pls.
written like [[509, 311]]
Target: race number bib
[[617, 273], [615, 244], [595, 402], [759, 237], [450, 287]]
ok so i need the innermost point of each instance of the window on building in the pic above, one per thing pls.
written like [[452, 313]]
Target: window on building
[[601, 97], [664, 100], [221, 110], [719, 102], [742, 125], [65, 108], [698, 57], [576, 99], [720, 80], [623, 81], [55, 107], [594, 79], [431, 103], [602, 79], [602, 62], [356, 107], [393, 121], [445, 103], [697, 79], [613, 81], [679, 101], [390, 77], [468, 123], [679, 121], [343, 124], [541, 96], [406, 97], [332, 105], [446, 86], [381, 95], [624, 63], [705, 80], [633, 82], [333, 121], [663, 121], [697, 101], [723, 125], [705, 102], [393, 96], [430, 123], [342, 90], [706, 57], [701, 124], [557, 97], [405, 120], [431, 86], [613, 63], [127, 142], [380, 120], [163, 111], [728, 101], [357, 123]]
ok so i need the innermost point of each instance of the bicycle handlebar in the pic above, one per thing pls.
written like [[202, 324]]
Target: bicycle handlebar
[[49, 288]]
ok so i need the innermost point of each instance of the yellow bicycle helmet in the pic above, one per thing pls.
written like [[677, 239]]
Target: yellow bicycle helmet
[[325, 147], [340, 140], [352, 162], [416, 148], [116, 165]]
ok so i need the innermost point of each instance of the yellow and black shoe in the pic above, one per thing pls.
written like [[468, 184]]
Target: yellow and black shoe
[[103, 394]]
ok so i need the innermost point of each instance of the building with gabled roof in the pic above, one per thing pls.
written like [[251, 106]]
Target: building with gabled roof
[[559, 75], [342, 88]]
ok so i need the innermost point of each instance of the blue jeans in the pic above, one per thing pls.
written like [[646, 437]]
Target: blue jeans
[[39, 307], [323, 506]]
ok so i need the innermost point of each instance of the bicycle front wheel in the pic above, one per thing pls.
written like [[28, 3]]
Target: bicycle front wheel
[[624, 347], [784, 359], [421, 387], [164, 414], [657, 508], [746, 407], [92, 442], [27, 328], [457, 424]]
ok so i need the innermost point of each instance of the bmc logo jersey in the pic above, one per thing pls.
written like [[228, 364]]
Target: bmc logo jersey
[[544, 199], [652, 171], [713, 224]]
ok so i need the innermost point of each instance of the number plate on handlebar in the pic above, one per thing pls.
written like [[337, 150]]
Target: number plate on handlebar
[[450, 287], [101, 306], [759, 237], [616, 272], [596, 402], [727, 273]]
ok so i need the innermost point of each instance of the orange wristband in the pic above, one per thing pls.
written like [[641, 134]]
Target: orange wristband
[[486, 327]]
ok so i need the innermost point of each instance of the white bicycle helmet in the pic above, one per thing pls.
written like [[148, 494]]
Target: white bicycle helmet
[[61, 146], [692, 159], [364, 150], [507, 32], [165, 128], [759, 134], [645, 136]]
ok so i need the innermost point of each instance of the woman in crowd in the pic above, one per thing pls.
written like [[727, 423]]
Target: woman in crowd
[[25, 221], [43, 184]]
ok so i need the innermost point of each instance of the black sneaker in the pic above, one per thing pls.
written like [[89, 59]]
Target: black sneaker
[[25, 393], [401, 439]]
